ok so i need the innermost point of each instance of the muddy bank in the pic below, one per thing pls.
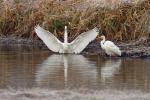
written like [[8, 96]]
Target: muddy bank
[[82, 94], [129, 49]]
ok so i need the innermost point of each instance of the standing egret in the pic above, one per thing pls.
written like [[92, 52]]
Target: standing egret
[[76, 46], [109, 47]]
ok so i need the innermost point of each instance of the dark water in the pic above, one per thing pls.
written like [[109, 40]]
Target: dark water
[[34, 68]]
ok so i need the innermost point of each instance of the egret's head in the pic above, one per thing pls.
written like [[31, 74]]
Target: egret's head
[[100, 38], [65, 27]]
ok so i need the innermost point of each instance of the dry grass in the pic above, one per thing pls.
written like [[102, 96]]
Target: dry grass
[[128, 21]]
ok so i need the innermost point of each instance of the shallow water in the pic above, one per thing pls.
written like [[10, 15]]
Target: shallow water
[[32, 69]]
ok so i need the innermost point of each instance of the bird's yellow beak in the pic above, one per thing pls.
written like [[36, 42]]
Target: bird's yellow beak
[[98, 38]]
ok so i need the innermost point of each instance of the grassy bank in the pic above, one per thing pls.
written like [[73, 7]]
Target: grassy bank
[[124, 22]]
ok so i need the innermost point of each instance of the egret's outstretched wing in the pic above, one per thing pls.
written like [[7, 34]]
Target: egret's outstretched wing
[[83, 40], [49, 39]]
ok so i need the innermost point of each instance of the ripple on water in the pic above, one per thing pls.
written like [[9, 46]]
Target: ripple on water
[[80, 94]]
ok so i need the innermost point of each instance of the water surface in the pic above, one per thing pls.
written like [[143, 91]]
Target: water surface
[[39, 69]]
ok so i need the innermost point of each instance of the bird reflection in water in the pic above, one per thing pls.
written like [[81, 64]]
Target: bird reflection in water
[[63, 71], [110, 68]]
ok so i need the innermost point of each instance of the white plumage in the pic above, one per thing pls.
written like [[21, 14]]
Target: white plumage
[[76, 46], [109, 47]]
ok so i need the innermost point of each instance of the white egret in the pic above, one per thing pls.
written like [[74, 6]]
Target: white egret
[[109, 47], [76, 46]]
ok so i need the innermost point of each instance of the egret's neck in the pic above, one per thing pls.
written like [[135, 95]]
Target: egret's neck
[[103, 41], [65, 35]]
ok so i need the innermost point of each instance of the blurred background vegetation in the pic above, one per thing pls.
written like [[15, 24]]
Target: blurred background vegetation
[[120, 21]]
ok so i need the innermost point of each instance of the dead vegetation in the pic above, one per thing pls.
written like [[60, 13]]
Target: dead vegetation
[[126, 22]]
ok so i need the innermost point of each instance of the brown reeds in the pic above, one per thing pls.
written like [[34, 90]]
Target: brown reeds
[[126, 22]]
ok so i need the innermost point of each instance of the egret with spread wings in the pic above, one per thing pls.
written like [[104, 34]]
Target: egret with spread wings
[[76, 46]]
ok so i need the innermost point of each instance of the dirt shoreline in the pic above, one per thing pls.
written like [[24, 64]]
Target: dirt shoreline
[[80, 94], [129, 49]]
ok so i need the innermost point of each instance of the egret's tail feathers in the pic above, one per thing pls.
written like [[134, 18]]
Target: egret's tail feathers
[[118, 52]]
